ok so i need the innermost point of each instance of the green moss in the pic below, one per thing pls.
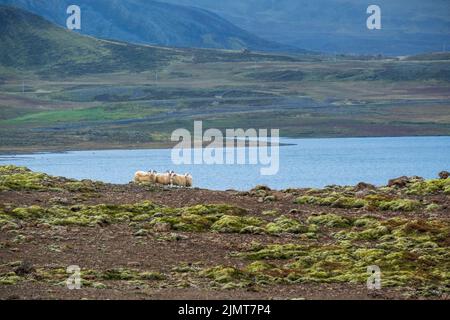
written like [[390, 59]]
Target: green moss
[[399, 205], [275, 251], [428, 187], [326, 201], [10, 279], [230, 224], [21, 178], [127, 274], [409, 253], [201, 218], [215, 209], [284, 224], [270, 213], [348, 203], [222, 274], [28, 213], [366, 222], [334, 201], [99, 285], [25, 181], [186, 222], [227, 277], [84, 186], [259, 266], [329, 220], [432, 207]]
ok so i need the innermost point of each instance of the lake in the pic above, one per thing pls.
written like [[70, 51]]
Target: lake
[[305, 163]]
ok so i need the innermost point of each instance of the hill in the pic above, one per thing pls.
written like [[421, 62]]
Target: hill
[[151, 22], [31, 42]]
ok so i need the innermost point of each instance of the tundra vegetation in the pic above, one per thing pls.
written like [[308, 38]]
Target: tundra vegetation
[[297, 244]]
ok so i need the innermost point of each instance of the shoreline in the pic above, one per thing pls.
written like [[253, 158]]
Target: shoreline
[[169, 145]]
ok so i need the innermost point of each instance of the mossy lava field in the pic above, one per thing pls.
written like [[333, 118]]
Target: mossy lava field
[[139, 241]]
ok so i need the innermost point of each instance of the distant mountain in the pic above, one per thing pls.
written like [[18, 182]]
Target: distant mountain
[[151, 22], [29, 42], [408, 26]]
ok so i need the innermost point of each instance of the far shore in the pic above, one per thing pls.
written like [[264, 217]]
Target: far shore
[[11, 151]]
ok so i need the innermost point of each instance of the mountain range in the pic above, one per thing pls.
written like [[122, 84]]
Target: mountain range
[[151, 22], [408, 26]]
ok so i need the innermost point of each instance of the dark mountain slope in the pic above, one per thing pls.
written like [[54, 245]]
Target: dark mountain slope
[[151, 22], [30, 42]]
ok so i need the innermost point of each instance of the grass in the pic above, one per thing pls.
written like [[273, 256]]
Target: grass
[[103, 113]]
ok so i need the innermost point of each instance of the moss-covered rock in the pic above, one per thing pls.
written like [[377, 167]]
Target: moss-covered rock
[[399, 205], [230, 224], [284, 224], [428, 187], [10, 279], [329, 220]]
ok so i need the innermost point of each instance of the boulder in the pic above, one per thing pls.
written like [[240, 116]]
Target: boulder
[[403, 181], [444, 174], [24, 268], [162, 227], [364, 186]]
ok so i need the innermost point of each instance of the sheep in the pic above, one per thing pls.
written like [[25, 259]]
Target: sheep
[[188, 180], [178, 180], [146, 177], [182, 180], [164, 178]]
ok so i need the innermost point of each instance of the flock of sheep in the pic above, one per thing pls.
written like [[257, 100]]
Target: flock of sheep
[[168, 178]]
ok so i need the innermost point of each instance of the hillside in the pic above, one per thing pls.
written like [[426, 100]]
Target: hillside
[[30, 42], [151, 22]]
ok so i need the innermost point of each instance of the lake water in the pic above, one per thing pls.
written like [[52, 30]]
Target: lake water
[[306, 163]]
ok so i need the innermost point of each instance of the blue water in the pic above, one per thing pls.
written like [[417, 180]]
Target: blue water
[[307, 163]]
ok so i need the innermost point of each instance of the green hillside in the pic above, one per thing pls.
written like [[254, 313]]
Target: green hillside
[[30, 42], [152, 22]]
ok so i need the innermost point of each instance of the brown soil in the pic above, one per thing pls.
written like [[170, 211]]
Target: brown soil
[[112, 246]]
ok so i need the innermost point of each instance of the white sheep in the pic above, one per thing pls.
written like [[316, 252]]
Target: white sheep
[[145, 177], [188, 180], [182, 180], [164, 178]]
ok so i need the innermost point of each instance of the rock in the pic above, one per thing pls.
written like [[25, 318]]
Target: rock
[[293, 211], [270, 198], [24, 268], [162, 227], [403, 181], [58, 200], [141, 233], [444, 174], [178, 237], [362, 194], [99, 285], [261, 187], [364, 186], [398, 182]]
